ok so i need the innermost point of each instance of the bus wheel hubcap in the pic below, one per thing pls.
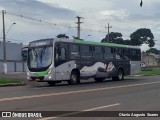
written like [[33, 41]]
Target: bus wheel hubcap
[[120, 75], [74, 78]]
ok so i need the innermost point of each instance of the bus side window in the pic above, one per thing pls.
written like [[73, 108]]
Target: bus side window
[[57, 52], [108, 53], [60, 53], [97, 52], [139, 54], [86, 51], [74, 51], [126, 53], [134, 55], [63, 54], [120, 53], [113, 50]]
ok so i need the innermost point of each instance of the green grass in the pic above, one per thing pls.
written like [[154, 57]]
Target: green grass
[[7, 81], [150, 72]]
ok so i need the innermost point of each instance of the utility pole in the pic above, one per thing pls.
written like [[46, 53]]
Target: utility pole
[[79, 27], [108, 31], [4, 43]]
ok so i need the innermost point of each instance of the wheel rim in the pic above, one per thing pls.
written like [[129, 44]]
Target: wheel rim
[[74, 78], [120, 75]]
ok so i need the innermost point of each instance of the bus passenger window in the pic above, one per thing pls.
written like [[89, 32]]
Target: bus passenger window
[[63, 54], [126, 54], [86, 51], [74, 51], [108, 53], [97, 52], [60, 54]]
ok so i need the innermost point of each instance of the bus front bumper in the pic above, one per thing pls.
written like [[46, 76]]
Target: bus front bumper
[[45, 78]]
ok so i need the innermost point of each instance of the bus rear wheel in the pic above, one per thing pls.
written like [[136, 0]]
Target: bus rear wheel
[[120, 75], [74, 78]]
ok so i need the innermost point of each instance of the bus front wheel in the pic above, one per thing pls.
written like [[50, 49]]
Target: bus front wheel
[[120, 75], [74, 78]]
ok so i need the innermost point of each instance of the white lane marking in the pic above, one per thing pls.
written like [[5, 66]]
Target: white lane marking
[[73, 92], [107, 106], [73, 113]]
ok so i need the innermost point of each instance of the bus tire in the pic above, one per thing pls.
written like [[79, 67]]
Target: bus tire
[[51, 83], [120, 75], [99, 79], [74, 78]]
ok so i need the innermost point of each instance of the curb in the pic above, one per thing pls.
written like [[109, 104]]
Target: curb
[[144, 75], [12, 84]]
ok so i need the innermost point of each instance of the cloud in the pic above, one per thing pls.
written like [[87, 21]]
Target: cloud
[[37, 9], [125, 16], [26, 29]]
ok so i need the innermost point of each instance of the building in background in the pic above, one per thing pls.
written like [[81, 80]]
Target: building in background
[[15, 61], [150, 59]]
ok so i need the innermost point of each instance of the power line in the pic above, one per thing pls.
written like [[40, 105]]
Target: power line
[[50, 23], [37, 20], [98, 31]]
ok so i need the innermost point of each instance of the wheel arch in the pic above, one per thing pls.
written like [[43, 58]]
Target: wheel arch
[[76, 70], [121, 68]]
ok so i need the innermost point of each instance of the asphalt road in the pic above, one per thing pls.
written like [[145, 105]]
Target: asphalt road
[[131, 94]]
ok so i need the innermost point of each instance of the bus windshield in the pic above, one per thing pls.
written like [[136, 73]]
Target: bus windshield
[[39, 57]]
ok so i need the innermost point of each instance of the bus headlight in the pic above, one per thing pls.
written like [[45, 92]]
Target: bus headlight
[[50, 71]]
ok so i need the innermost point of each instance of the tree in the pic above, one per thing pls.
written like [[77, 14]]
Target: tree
[[153, 50], [77, 38], [62, 36], [114, 37], [127, 42], [151, 43], [142, 36]]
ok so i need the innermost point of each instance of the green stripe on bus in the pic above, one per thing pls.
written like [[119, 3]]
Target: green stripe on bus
[[99, 43], [43, 73]]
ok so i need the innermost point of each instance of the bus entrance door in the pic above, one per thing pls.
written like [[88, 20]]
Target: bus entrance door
[[61, 56]]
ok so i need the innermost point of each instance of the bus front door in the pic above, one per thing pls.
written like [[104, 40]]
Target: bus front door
[[61, 56]]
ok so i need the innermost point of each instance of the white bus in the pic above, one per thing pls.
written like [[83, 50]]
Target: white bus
[[56, 60]]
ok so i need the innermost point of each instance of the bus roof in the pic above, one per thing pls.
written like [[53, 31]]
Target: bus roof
[[104, 44], [77, 41]]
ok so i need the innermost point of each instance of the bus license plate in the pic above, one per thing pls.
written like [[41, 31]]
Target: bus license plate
[[37, 79]]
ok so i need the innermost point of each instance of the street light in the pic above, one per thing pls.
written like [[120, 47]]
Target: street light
[[87, 36], [10, 28]]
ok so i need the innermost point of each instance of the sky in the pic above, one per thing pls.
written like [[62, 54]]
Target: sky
[[59, 17]]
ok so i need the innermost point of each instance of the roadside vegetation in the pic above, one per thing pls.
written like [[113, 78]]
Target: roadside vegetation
[[150, 71], [8, 81]]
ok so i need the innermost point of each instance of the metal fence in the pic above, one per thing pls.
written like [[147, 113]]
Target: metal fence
[[13, 66]]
